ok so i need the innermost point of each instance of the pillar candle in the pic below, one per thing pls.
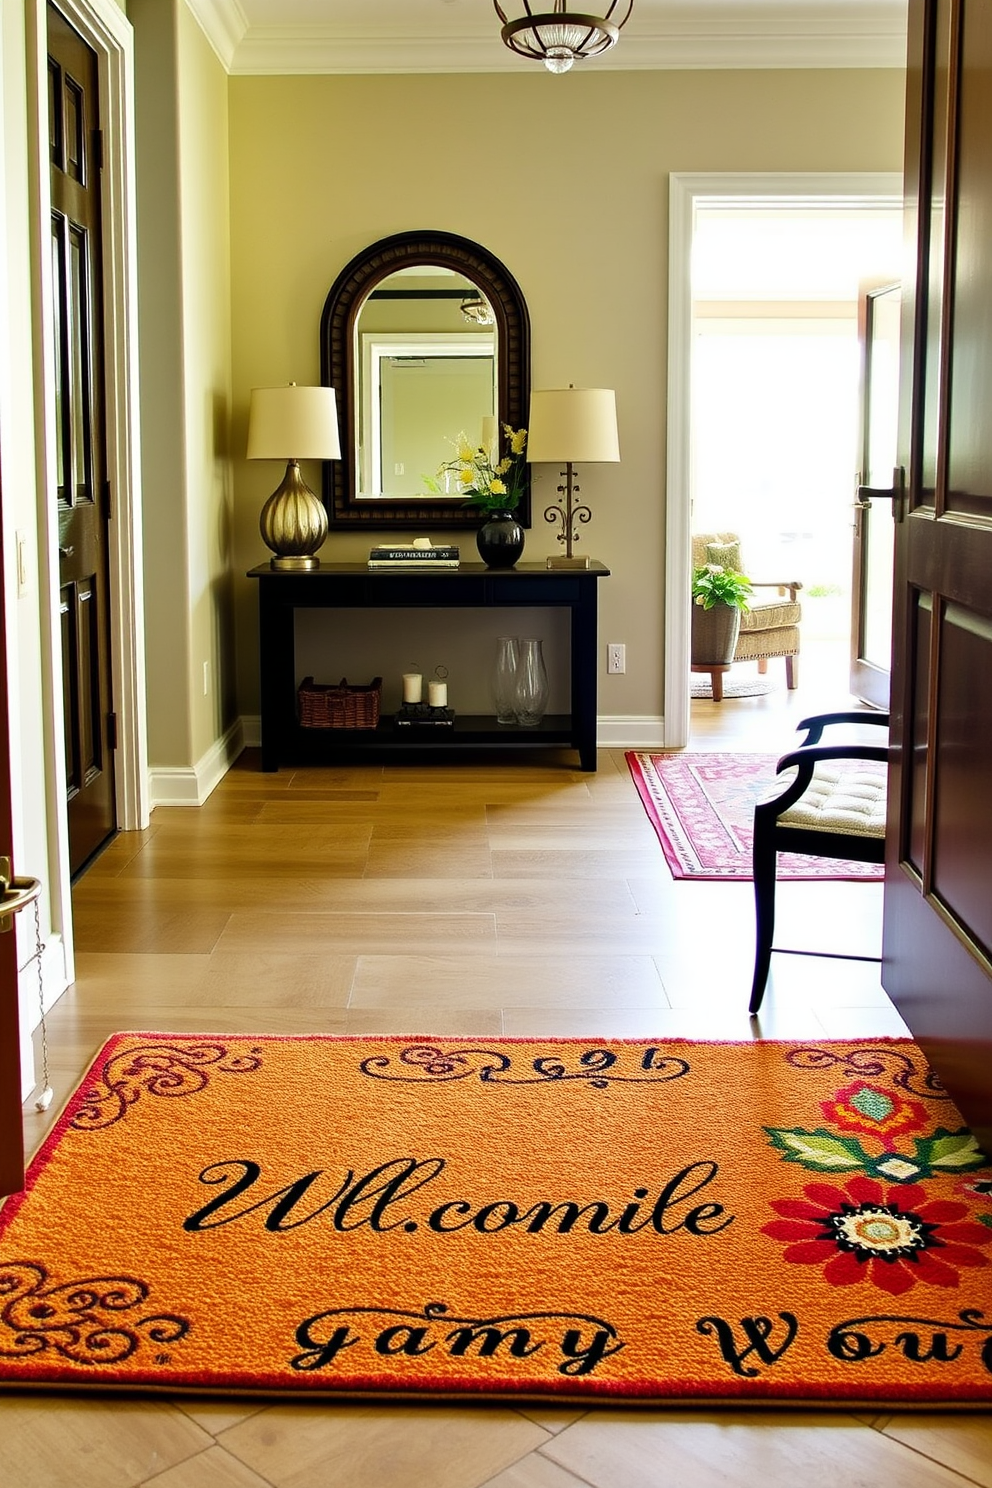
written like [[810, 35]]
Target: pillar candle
[[437, 694], [413, 684]]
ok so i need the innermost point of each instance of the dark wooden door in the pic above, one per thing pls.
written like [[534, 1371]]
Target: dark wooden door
[[879, 315], [938, 891], [83, 491]]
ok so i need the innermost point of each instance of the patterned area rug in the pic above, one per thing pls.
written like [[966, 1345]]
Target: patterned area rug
[[702, 808], [629, 1221], [702, 687]]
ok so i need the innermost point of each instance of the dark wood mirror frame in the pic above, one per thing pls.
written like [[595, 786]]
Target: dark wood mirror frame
[[337, 370]]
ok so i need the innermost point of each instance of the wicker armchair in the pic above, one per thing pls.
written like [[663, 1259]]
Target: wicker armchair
[[771, 626]]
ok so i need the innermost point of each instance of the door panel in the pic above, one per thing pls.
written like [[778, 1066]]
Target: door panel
[[938, 890], [962, 807], [83, 496]]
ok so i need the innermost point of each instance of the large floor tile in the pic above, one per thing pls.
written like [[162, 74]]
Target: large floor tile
[[75, 1442], [360, 1446], [773, 1449], [963, 1443], [213, 1468]]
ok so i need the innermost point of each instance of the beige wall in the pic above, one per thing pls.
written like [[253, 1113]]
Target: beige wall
[[206, 281], [566, 181], [185, 350]]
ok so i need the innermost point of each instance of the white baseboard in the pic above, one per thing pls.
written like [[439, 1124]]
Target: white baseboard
[[251, 731], [637, 731], [192, 786]]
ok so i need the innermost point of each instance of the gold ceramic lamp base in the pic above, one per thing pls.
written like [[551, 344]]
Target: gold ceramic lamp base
[[293, 523]]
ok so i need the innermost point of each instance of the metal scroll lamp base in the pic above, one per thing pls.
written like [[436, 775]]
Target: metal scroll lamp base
[[568, 513]]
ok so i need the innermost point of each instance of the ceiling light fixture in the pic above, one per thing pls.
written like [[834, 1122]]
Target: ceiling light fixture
[[476, 307], [562, 37]]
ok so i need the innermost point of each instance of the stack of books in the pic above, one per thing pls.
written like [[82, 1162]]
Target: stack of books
[[388, 555]]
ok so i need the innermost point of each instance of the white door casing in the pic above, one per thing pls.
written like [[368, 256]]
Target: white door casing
[[746, 190]]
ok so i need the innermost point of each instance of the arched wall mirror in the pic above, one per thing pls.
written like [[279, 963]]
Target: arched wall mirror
[[423, 335]]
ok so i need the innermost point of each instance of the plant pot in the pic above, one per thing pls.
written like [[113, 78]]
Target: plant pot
[[500, 540], [714, 634]]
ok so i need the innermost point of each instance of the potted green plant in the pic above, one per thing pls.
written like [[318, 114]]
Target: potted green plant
[[719, 596], [494, 486]]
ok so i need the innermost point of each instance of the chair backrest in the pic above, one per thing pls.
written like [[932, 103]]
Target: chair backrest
[[703, 541]]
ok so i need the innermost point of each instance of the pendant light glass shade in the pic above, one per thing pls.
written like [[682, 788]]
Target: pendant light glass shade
[[560, 37]]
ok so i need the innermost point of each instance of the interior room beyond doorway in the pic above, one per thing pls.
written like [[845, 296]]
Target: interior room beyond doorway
[[774, 421]]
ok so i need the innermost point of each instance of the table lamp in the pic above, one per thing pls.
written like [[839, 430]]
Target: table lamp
[[293, 423], [570, 426]]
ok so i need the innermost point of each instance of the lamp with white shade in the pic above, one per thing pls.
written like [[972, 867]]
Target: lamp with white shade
[[293, 423], [572, 426]]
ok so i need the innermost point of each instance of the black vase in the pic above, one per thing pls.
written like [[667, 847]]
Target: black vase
[[500, 540]]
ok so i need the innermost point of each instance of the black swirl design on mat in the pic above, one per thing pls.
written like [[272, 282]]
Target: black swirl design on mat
[[95, 1320], [907, 1073], [163, 1069], [921, 1340], [425, 1064], [315, 1332]]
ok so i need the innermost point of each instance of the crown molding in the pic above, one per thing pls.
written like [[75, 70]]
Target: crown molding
[[224, 24], [755, 34]]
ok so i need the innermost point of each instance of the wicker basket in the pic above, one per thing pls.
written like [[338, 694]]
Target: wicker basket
[[328, 706]]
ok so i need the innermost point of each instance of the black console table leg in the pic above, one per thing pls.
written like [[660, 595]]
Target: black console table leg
[[584, 662]]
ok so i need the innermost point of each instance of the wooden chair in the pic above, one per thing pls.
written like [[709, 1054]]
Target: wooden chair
[[824, 810], [770, 627]]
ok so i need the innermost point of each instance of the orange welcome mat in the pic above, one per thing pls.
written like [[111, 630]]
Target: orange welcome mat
[[664, 1221]]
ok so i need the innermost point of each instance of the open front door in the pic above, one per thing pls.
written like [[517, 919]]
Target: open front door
[[879, 312], [937, 945]]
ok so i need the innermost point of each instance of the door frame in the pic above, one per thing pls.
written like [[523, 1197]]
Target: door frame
[[108, 31], [688, 191]]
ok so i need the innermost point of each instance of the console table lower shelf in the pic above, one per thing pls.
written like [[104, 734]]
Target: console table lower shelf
[[469, 731], [350, 586]]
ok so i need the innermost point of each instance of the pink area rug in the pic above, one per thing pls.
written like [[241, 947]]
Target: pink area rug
[[702, 808]]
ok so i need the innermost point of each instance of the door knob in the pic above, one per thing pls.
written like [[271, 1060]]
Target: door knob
[[15, 894]]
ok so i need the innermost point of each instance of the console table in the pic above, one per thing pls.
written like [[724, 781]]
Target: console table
[[354, 586]]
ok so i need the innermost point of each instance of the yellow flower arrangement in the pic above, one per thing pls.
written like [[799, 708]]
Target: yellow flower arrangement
[[488, 483]]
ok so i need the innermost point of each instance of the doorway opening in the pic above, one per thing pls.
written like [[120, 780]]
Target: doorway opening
[[764, 412]]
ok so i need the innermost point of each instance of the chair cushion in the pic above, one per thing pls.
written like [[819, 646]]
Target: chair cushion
[[771, 616], [848, 798], [726, 554], [752, 645]]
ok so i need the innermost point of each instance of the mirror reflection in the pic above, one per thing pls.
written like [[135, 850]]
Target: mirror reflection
[[427, 362]]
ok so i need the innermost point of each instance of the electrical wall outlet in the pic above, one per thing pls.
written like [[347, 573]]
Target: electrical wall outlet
[[616, 656]]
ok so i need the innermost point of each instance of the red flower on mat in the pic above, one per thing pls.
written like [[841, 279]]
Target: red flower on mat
[[873, 1112], [893, 1239], [980, 1186]]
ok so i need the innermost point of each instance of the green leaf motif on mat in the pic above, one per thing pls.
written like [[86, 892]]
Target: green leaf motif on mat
[[945, 1151], [819, 1149], [985, 1219]]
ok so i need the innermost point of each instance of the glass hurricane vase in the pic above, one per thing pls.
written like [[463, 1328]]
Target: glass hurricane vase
[[532, 686], [504, 679]]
